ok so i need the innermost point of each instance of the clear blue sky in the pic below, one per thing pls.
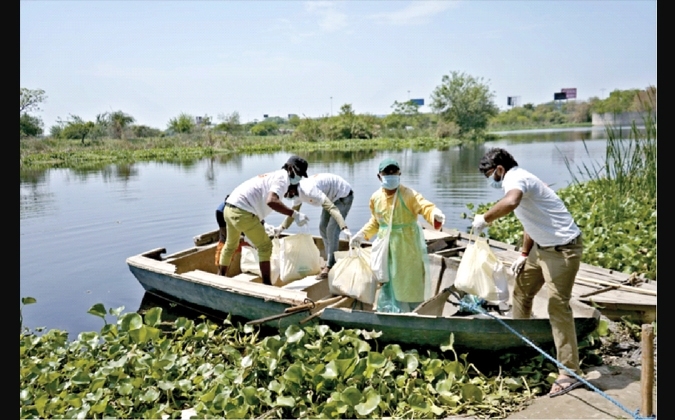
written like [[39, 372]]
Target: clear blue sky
[[157, 59]]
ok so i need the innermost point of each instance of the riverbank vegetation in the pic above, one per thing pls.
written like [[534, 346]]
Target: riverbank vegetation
[[613, 203], [112, 137], [150, 365]]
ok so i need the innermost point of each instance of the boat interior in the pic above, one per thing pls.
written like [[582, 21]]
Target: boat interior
[[445, 251]]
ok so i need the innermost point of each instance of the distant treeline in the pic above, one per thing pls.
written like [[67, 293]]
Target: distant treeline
[[463, 109]]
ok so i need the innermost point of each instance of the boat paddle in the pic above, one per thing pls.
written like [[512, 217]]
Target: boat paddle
[[296, 309]]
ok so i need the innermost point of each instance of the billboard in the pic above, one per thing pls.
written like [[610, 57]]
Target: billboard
[[570, 93], [419, 102], [559, 96]]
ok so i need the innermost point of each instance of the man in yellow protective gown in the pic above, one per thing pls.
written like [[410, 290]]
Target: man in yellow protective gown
[[408, 263]]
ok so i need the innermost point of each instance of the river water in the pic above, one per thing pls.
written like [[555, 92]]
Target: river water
[[77, 227]]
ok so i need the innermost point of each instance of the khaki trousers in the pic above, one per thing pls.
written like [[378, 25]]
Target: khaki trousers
[[556, 267], [240, 221]]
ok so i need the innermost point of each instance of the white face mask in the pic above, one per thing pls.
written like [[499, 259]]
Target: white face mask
[[494, 183], [295, 178], [391, 182]]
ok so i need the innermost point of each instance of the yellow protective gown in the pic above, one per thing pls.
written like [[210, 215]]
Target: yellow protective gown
[[409, 279]]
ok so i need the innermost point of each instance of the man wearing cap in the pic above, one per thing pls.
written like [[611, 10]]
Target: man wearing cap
[[396, 207], [250, 203], [551, 252], [335, 195]]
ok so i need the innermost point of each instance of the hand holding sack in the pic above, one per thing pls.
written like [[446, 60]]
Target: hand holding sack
[[439, 218], [482, 274], [301, 219], [299, 257], [277, 231], [479, 223], [355, 241], [347, 233], [351, 276]]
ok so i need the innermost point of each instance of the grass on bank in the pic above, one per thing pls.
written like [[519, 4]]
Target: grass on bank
[[59, 153]]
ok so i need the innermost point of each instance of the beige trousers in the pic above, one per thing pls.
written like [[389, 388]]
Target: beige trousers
[[555, 267]]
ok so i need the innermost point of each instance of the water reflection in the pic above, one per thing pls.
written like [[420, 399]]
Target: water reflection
[[35, 200]]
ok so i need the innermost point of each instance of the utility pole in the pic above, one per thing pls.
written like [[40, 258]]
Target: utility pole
[[602, 93], [331, 106]]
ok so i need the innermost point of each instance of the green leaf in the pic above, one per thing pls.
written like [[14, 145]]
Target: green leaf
[[294, 334], [28, 300], [116, 311], [351, 396], [184, 385], [419, 403], [471, 392], [294, 373], [166, 385], [331, 371], [603, 328], [125, 388], [153, 316], [208, 396], [131, 321], [276, 386], [448, 345], [247, 361], [285, 402], [150, 395], [411, 363], [140, 335], [372, 401], [98, 310], [250, 395], [40, 403], [80, 378]]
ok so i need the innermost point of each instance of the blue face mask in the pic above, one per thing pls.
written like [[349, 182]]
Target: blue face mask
[[295, 179], [493, 183], [391, 182]]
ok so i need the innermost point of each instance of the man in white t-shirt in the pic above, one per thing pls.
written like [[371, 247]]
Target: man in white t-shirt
[[550, 255], [335, 195], [249, 204]]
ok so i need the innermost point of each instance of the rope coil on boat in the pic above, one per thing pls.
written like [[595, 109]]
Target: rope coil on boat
[[475, 306]]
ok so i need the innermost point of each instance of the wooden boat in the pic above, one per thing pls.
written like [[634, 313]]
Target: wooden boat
[[189, 277]]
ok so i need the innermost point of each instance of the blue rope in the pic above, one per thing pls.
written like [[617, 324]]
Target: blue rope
[[474, 305]]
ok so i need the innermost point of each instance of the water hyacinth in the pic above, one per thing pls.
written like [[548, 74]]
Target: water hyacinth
[[140, 366]]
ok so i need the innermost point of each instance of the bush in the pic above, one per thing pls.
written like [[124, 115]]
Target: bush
[[29, 126]]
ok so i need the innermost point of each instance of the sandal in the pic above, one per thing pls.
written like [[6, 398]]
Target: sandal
[[571, 384], [323, 275]]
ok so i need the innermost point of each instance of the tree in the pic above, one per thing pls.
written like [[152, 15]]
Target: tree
[[145, 131], [119, 121], [405, 114], [184, 123], [265, 128], [29, 126], [75, 128], [230, 123], [464, 100], [30, 99]]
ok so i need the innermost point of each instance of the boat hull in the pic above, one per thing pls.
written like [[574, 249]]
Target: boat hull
[[470, 332]]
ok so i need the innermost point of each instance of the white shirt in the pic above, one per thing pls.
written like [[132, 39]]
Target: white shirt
[[314, 189], [542, 213], [252, 195]]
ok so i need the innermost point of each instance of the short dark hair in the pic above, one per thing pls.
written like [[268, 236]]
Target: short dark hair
[[496, 156]]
